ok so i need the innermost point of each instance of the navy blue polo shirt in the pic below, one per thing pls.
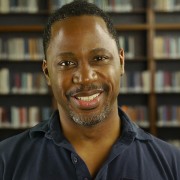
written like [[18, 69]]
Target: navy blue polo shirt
[[43, 153]]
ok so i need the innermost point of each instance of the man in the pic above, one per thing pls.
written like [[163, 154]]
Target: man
[[88, 137]]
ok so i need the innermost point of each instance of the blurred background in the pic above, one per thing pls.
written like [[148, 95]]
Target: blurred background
[[149, 32]]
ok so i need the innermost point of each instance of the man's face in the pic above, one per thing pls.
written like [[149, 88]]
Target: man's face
[[84, 68]]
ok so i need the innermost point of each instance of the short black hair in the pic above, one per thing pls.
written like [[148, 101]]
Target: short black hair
[[77, 8]]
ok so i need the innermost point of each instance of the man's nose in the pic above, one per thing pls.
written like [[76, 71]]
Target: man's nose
[[84, 75]]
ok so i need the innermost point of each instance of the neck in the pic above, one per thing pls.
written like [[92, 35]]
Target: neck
[[108, 130]]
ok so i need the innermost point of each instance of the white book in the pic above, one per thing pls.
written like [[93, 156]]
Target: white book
[[146, 81], [122, 42], [4, 6], [15, 117], [159, 81], [32, 6], [29, 88], [19, 49], [34, 116], [131, 47], [4, 81], [158, 47], [173, 47], [157, 4], [137, 82], [12, 49]]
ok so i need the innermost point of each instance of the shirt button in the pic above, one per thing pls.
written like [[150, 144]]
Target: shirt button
[[75, 160]]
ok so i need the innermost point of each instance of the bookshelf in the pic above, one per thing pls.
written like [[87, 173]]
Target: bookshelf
[[149, 33]]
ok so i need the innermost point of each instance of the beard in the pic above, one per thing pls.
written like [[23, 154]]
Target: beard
[[90, 120], [93, 118]]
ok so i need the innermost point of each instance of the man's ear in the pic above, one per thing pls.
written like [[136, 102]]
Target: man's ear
[[121, 57], [46, 73]]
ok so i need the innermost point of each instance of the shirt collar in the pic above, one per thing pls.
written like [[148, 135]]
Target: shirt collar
[[131, 128], [52, 129]]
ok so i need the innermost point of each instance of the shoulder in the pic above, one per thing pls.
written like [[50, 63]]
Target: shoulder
[[166, 149], [10, 144], [161, 154]]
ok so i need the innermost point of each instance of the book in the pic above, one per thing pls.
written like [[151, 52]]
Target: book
[[4, 6], [138, 114], [168, 116], [4, 81]]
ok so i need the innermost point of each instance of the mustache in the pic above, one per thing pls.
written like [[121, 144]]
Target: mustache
[[90, 87]]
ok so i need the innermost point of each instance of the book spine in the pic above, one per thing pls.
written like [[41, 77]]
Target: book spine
[[168, 116], [4, 81], [138, 114]]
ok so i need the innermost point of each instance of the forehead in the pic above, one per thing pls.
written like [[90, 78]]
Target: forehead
[[79, 24], [75, 27], [80, 32]]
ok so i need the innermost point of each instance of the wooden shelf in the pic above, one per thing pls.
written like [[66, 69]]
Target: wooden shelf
[[165, 27], [130, 27], [134, 11], [28, 28]]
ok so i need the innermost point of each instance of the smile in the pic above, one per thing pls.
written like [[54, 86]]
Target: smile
[[88, 98]]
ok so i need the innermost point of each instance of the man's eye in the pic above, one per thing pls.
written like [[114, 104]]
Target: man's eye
[[100, 58], [66, 63]]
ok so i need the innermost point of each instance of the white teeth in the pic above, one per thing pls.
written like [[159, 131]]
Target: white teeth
[[88, 98]]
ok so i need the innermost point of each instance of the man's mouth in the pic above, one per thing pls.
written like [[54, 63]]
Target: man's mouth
[[88, 98], [87, 101]]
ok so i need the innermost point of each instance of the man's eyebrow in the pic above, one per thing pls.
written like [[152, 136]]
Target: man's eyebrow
[[65, 54], [96, 50], [99, 50]]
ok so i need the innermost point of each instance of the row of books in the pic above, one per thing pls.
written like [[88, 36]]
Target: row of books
[[21, 49], [7, 6], [107, 5], [19, 6], [136, 82], [138, 114], [31, 48], [168, 116], [127, 43], [167, 47], [167, 5], [21, 82], [23, 117], [167, 81]]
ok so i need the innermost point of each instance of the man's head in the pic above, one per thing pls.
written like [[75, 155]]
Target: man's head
[[77, 8], [83, 65]]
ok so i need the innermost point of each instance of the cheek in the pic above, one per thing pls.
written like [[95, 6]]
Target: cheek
[[115, 83], [114, 74], [58, 84]]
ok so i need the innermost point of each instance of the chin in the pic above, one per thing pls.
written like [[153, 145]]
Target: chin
[[92, 118]]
